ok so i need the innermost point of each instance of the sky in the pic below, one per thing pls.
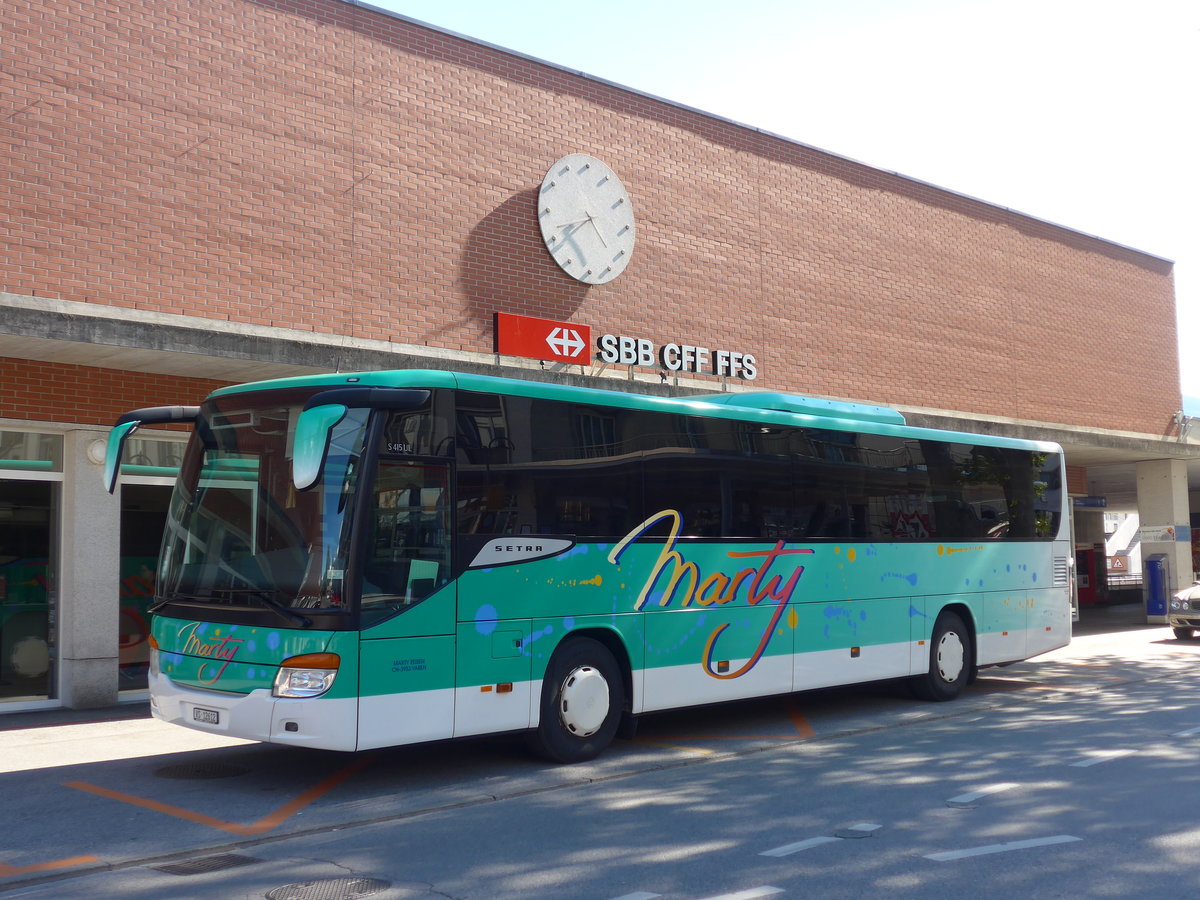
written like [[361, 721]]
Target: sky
[[1084, 113]]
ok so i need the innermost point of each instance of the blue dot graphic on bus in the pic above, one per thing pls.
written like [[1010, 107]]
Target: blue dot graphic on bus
[[835, 614], [486, 618], [273, 640], [568, 623]]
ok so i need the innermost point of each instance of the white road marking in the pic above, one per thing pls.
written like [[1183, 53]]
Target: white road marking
[[1098, 756], [787, 849], [765, 891], [1002, 848], [861, 830], [638, 895], [1189, 733], [982, 792]]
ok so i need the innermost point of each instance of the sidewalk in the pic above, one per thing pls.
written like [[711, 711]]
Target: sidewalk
[[1104, 618], [49, 718]]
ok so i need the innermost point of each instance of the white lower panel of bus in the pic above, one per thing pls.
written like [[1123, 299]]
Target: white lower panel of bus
[[481, 710], [690, 685], [856, 665], [410, 718], [257, 716], [1050, 628], [1051, 631], [667, 687], [1001, 646], [388, 720]]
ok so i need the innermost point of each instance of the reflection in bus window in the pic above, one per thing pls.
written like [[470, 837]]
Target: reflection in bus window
[[407, 555]]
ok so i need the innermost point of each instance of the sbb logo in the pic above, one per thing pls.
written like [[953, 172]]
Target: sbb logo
[[566, 342], [542, 339]]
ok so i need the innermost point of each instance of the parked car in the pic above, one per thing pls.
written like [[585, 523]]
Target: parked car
[[1183, 612]]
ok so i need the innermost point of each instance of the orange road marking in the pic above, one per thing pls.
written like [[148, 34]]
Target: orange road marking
[[260, 827], [6, 870], [802, 727]]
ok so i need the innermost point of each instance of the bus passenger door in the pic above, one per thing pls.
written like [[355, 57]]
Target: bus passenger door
[[406, 688]]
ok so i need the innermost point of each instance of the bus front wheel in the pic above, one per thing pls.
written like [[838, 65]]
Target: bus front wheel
[[950, 660], [582, 697]]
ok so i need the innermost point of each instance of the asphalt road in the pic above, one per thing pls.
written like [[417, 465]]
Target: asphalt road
[[1069, 775]]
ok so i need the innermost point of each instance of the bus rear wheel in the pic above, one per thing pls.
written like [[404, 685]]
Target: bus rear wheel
[[951, 660], [582, 697]]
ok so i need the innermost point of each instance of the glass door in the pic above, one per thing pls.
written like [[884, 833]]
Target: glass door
[[28, 549]]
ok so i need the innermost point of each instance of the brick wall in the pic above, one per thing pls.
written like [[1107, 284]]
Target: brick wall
[[84, 395], [316, 165]]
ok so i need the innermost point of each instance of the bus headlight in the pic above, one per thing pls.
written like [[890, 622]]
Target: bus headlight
[[308, 675], [154, 665]]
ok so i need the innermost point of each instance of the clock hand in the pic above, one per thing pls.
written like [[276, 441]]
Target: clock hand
[[599, 234]]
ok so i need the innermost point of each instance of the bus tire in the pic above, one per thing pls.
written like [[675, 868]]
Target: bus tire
[[950, 660], [1183, 633], [582, 700]]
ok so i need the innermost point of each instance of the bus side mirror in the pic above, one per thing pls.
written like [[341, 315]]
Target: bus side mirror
[[113, 450], [128, 424], [314, 427]]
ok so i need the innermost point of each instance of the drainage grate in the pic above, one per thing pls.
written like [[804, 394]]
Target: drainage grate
[[207, 864], [330, 889], [201, 770]]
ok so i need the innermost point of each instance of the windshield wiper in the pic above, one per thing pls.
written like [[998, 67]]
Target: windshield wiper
[[178, 598], [155, 607], [265, 598]]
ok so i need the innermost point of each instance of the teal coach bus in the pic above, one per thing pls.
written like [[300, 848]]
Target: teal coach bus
[[361, 561]]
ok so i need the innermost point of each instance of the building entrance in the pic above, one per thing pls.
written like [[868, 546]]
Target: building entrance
[[27, 595]]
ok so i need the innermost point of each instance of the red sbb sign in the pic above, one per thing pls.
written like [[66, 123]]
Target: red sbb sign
[[543, 339]]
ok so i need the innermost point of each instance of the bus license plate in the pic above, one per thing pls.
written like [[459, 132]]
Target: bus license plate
[[207, 716]]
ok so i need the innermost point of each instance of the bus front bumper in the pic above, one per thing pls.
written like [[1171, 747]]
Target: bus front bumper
[[317, 722]]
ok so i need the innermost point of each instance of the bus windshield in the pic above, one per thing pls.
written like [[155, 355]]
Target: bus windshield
[[239, 536]]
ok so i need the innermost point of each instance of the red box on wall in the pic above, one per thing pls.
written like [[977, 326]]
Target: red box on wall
[[536, 338]]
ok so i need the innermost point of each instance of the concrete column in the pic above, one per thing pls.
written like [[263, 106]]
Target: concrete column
[[1089, 527], [89, 590], [1162, 491]]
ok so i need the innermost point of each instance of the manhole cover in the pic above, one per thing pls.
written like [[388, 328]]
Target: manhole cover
[[201, 770], [329, 889], [207, 864]]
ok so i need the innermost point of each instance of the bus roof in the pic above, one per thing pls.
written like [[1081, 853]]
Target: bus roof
[[758, 406]]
